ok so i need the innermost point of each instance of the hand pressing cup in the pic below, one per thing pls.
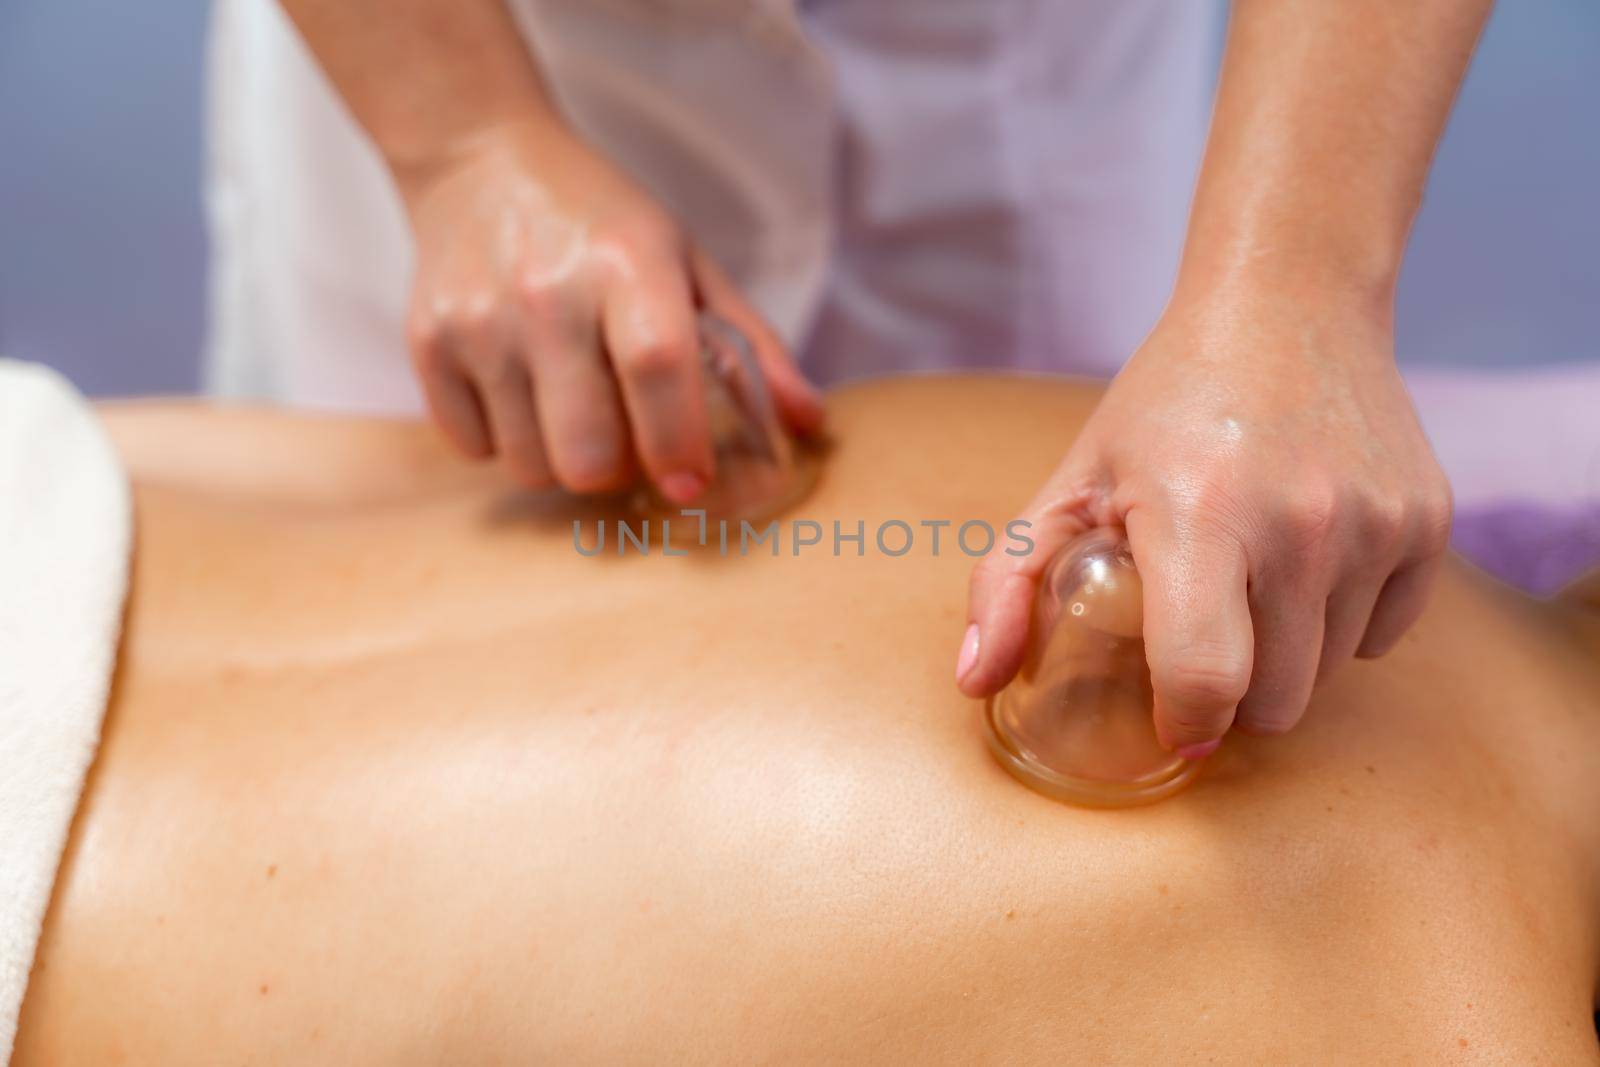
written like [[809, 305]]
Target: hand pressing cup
[[1280, 499], [553, 318]]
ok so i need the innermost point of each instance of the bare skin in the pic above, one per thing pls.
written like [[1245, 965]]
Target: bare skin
[[1285, 507], [392, 774]]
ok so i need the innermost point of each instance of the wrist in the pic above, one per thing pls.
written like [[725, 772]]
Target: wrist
[[1317, 255], [1253, 283], [421, 165], [1278, 315]]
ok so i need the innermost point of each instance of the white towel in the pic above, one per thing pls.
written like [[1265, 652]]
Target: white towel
[[65, 532]]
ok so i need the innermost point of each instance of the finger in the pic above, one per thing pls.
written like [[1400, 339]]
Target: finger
[[1197, 628], [1349, 612], [507, 396], [1399, 605], [654, 345], [1001, 591], [583, 425], [799, 402], [1288, 620], [451, 398], [1370, 560], [1405, 593]]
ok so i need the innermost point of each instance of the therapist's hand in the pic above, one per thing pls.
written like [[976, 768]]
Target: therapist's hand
[[1282, 504], [553, 323]]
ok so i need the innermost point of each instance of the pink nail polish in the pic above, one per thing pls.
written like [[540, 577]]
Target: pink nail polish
[[1199, 751], [681, 487], [969, 652]]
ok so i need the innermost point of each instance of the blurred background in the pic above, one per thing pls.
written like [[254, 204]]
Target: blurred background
[[103, 250]]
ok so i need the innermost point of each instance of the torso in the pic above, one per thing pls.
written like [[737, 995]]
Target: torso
[[393, 774]]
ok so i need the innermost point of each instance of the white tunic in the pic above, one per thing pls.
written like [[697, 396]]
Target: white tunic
[[899, 184]]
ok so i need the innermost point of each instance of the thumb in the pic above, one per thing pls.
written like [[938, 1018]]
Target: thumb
[[1198, 636], [799, 403], [1001, 592]]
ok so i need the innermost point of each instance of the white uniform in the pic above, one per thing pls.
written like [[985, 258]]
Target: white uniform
[[899, 184]]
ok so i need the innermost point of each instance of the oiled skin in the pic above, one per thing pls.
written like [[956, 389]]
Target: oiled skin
[[393, 775]]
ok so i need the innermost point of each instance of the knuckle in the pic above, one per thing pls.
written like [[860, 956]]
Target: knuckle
[[996, 563], [595, 465], [498, 369], [1212, 503], [1386, 517], [985, 573], [1436, 513], [1310, 512], [425, 340], [537, 294], [998, 580], [1191, 727], [1209, 493], [652, 233], [636, 247], [472, 316], [654, 361], [989, 573], [1206, 678]]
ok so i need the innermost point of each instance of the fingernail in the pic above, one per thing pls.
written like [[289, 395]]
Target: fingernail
[[680, 487], [969, 652], [1199, 751]]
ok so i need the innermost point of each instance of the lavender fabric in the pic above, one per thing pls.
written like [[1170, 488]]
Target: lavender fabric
[[1536, 548], [1522, 450], [1527, 434]]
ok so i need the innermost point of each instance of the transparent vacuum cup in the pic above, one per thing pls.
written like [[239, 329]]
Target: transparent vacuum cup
[[759, 470], [1076, 723]]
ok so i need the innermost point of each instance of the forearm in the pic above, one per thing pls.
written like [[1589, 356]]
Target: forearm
[[1326, 120], [424, 77]]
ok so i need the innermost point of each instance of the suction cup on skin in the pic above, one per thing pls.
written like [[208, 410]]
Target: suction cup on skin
[[759, 471], [1076, 723]]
